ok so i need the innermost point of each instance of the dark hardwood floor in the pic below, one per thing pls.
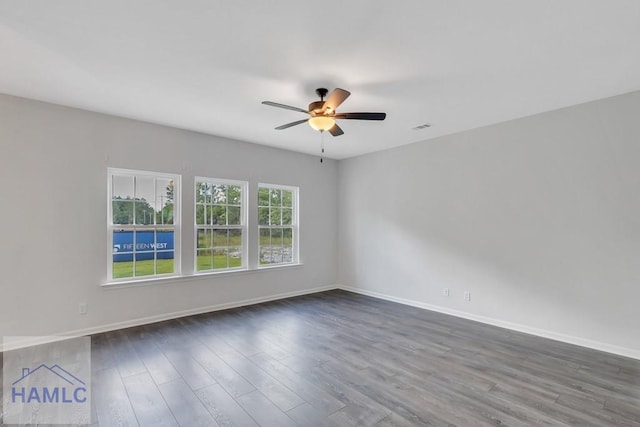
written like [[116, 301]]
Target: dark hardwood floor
[[342, 359]]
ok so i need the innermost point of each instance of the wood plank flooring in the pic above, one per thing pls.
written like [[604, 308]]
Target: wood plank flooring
[[342, 359]]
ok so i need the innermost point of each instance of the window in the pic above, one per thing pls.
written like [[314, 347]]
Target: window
[[277, 224], [220, 224], [143, 224]]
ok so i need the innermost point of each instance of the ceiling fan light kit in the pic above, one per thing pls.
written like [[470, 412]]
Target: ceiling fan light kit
[[321, 123]]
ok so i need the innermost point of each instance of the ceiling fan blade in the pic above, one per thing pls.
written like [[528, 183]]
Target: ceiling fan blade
[[336, 130], [335, 98], [288, 125], [287, 107], [361, 116]]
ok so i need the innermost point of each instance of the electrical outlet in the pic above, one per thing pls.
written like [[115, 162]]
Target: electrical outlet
[[445, 292], [467, 296], [82, 308]]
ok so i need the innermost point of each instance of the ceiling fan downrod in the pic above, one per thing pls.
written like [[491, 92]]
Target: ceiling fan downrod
[[322, 92]]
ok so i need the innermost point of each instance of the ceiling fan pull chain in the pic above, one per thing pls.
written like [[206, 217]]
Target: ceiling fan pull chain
[[321, 146]]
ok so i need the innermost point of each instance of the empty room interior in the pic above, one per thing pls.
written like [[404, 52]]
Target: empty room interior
[[357, 213]]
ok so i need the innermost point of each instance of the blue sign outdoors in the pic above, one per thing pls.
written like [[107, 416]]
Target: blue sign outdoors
[[147, 243]]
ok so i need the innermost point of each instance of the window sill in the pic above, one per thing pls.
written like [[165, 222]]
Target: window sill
[[276, 266], [195, 276]]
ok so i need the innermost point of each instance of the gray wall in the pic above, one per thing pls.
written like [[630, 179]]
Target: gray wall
[[53, 170], [539, 218]]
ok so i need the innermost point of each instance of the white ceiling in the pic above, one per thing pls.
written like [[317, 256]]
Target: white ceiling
[[206, 65]]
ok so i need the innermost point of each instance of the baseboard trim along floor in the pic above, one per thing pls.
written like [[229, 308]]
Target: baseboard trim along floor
[[595, 345], [609, 348], [31, 341]]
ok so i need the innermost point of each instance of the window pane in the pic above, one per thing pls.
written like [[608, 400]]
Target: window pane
[[201, 218], [235, 237], [122, 212], [122, 245], [265, 254], [208, 191], [275, 216], [144, 264], [263, 216], [234, 195], [201, 191], [144, 212], [265, 246], [287, 198], [165, 215], [145, 240], [265, 236], [276, 245], [220, 258], [287, 243], [122, 254], [165, 255], [287, 236], [235, 257], [263, 196], [276, 199], [145, 188], [122, 269], [164, 242], [276, 236], [233, 215], [218, 215], [164, 198], [287, 253], [220, 238], [287, 215], [276, 254], [164, 192], [121, 187], [205, 260], [164, 263], [204, 238], [219, 194]]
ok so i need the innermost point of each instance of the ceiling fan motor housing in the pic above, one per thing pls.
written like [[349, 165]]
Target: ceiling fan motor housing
[[316, 107]]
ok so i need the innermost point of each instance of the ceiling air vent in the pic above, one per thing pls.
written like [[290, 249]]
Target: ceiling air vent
[[420, 127]]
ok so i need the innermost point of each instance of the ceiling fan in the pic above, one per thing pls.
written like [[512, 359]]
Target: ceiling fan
[[323, 113]]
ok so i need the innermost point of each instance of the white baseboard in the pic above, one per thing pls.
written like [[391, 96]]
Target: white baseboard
[[583, 342], [596, 345], [31, 341]]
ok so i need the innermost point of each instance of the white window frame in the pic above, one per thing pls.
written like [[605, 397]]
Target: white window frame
[[244, 186], [176, 226], [295, 221]]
